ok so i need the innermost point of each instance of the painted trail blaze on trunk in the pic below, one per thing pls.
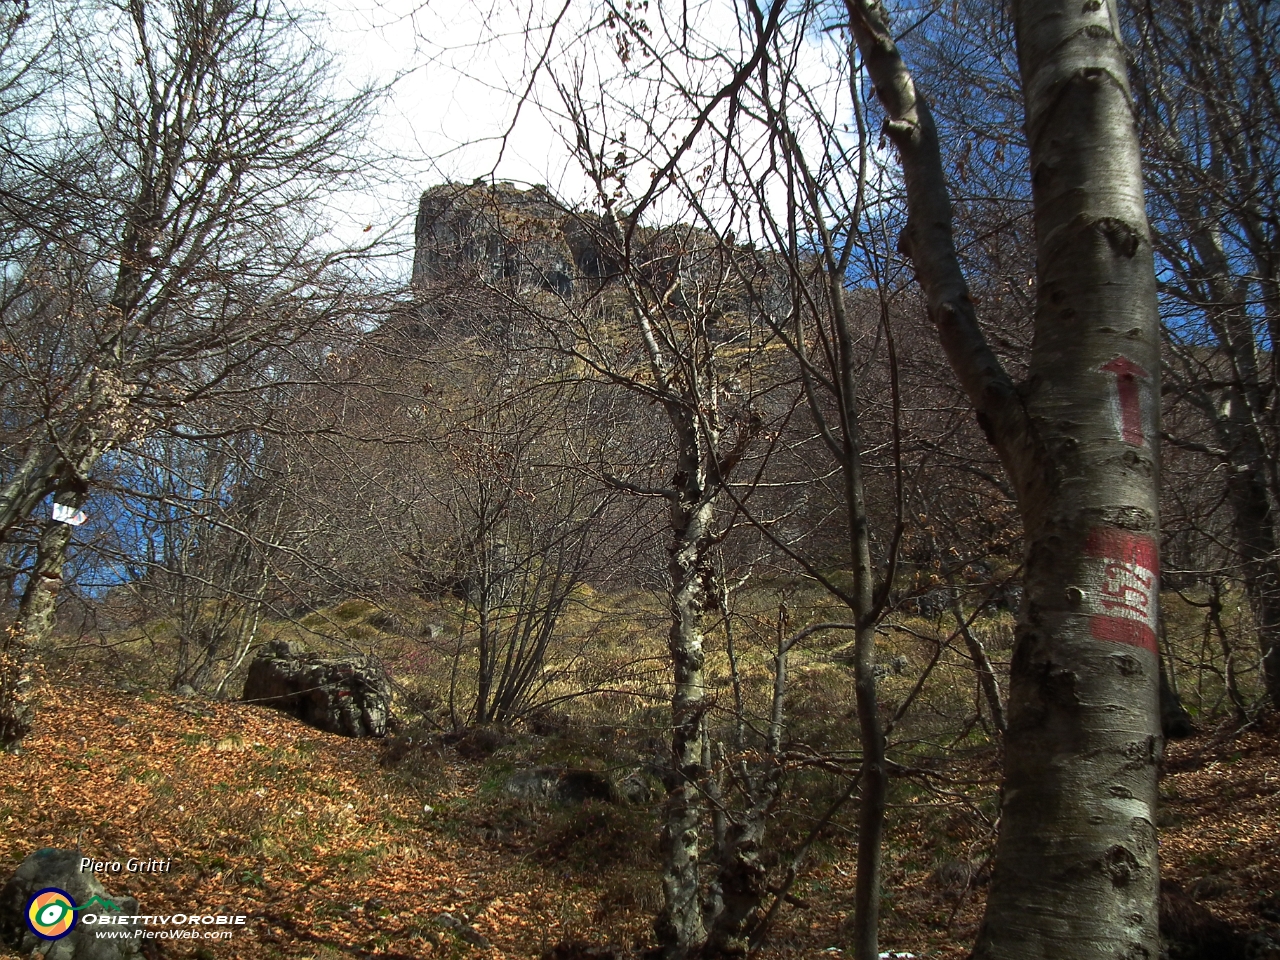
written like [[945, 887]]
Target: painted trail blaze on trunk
[[1076, 869], [1128, 399], [1122, 587]]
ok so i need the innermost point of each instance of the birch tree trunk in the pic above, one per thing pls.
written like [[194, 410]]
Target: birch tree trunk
[[37, 610], [982, 668], [1076, 874], [711, 433], [30, 483], [682, 928]]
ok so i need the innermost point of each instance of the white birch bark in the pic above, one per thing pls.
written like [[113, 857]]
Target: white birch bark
[[1076, 872], [682, 927]]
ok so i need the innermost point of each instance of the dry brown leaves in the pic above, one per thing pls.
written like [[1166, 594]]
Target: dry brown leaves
[[331, 857]]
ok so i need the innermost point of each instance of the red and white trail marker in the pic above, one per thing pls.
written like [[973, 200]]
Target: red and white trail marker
[[1122, 587], [1127, 399], [67, 514]]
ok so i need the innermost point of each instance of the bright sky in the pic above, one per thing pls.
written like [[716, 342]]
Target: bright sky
[[458, 67], [463, 66]]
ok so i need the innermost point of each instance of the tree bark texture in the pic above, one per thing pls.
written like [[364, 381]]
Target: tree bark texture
[[741, 883], [982, 668], [37, 609], [1254, 533], [681, 928], [16, 710], [31, 482], [36, 616], [1076, 872], [1083, 728], [742, 877]]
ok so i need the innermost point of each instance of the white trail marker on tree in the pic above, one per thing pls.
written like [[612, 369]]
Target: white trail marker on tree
[[64, 513]]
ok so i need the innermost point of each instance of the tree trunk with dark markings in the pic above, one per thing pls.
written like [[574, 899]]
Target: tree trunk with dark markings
[[1076, 874]]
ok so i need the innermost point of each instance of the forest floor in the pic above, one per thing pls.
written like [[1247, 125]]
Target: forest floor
[[332, 852]]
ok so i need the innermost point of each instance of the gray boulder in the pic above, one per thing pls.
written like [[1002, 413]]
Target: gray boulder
[[537, 784], [61, 869], [562, 786], [346, 695], [893, 668], [635, 788]]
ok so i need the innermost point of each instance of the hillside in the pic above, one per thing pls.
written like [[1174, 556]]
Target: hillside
[[344, 848]]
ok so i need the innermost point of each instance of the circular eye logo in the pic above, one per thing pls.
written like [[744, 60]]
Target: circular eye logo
[[51, 913]]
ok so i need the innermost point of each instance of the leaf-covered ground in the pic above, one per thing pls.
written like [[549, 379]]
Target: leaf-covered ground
[[333, 854]]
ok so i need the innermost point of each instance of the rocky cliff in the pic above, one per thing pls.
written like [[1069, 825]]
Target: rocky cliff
[[503, 233], [526, 241]]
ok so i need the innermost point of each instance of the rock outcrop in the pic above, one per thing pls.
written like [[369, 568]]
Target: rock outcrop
[[525, 237], [525, 242], [346, 695], [562, 785]]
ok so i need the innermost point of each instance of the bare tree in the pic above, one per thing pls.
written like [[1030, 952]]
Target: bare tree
[[198, 528], [759, 166], [184, 258], [661, 320], [669, 353], [1077, 835], [1209, 110], [508, 505]]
